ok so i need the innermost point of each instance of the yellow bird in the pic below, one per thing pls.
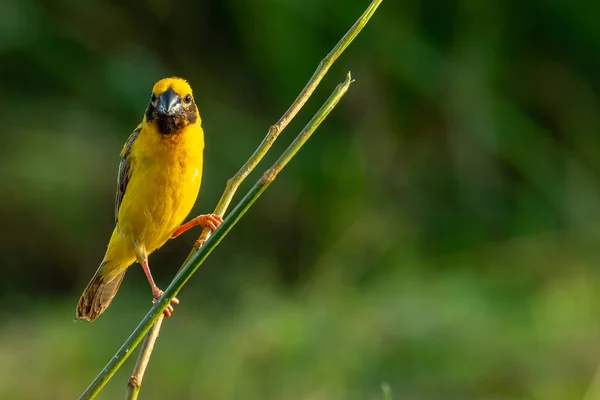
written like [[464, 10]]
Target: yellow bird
[[158, 182]]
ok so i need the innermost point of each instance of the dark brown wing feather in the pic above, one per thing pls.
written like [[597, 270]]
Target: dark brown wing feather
[[125, 170]]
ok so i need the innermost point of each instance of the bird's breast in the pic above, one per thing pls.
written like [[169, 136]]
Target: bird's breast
[[172, 192], [164, 187]]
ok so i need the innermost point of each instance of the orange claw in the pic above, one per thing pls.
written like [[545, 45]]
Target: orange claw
[[211, 221], [156, 293]]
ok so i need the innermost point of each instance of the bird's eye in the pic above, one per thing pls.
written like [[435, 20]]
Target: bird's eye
[[153, 98], [187, 99]]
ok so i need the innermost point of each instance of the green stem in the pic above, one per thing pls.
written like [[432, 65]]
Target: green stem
[[273, 133], [233, 183], [198, 258], [135, 381]]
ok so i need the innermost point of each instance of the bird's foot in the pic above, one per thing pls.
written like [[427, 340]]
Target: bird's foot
[[211, 221], [156, 293]]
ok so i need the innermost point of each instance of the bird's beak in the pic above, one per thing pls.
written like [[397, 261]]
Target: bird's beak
[[169, 103]]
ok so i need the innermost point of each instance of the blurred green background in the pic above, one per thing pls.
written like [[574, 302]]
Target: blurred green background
[[440, 232]]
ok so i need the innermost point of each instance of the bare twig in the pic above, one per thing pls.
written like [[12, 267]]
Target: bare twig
[[235, 181], [135, 381], [198, 258], [286, 118]]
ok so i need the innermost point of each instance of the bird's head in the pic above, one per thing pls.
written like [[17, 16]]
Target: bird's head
[[172, 106]]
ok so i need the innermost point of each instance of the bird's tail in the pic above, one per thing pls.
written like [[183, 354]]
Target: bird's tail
[[100, 291]]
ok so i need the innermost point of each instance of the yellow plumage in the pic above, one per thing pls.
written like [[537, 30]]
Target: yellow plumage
[[161, 193], [159, 180]]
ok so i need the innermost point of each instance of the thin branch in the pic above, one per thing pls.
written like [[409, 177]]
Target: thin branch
[[135, 381], [198, 258], [234, 183]]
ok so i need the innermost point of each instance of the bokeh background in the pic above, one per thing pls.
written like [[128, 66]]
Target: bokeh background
[[439, 233]]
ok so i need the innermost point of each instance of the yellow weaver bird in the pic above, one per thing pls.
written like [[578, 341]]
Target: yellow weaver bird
[[158, 182]]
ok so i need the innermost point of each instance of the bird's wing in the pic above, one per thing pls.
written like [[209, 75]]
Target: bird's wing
[[125, 170]]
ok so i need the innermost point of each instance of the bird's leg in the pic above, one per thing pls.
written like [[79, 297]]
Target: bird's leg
[[156, 292], [211, 221]]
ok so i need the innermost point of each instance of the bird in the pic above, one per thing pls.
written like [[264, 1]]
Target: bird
[[158, 181]]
